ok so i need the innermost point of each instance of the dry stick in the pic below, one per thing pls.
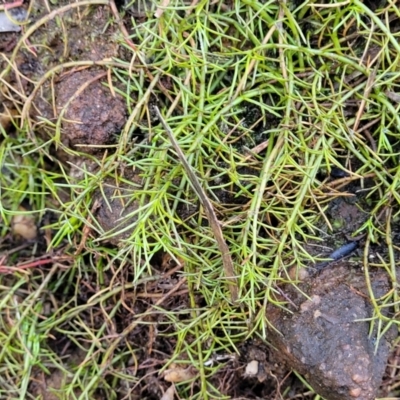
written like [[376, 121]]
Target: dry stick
[[87, 228], [215, 225], [30, 264], [369, 124], [367, 91], [367, 47], [178, 97]]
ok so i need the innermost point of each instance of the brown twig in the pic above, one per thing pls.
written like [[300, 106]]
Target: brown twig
[[87, 228], [215, 224], [367, 91]]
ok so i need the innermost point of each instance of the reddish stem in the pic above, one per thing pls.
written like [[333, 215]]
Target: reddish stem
[[31, 264], [14, 4]]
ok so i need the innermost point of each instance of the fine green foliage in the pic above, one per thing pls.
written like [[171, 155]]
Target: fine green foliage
[[264, 99]]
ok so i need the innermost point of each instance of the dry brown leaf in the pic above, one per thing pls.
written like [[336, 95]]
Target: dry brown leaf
[[178, 374]]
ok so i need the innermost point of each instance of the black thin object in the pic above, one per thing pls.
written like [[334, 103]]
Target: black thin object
[[341, 252]]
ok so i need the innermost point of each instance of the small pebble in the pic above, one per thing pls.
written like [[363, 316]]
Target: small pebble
[[23, 225], [8, 24], [251, 368]]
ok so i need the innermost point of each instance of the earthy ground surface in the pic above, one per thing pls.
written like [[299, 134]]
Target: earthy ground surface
[[120, 309], [320, 338]]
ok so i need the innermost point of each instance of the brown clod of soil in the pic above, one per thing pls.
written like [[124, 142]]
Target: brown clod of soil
[[325, 338], [93, 118]]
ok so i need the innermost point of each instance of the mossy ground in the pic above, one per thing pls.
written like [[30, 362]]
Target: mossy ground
[[267, 102]]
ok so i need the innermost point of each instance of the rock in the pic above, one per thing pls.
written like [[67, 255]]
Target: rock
[[326, 337]]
